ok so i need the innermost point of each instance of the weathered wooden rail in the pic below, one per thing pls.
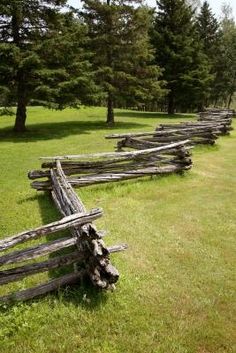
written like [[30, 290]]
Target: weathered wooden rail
[[88, 253], [206, 130], [87, 249], [164, 151], [222, 117], [112, 167]]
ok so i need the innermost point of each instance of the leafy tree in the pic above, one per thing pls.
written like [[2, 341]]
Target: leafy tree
[[122, 58], [178, 51], [41, 57]]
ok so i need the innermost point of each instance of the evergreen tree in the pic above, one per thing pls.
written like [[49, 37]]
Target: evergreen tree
[[41, 57], [224, 85], [209, 35], [195, 88], [178, 51], [195, 4], [208, 30], [122, 54]]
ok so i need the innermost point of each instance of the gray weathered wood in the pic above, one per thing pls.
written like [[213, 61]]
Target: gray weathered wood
[[112, 177], [64, 223], [96, 261], [117, 248], [52, 285], [116, 154], [17, 273], [37, 251]]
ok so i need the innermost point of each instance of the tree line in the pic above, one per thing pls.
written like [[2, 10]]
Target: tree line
[[118, 53]]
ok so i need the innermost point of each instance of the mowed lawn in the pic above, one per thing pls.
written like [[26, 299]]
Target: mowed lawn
[[176, 292]]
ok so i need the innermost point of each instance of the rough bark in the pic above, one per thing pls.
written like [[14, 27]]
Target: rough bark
[[171, 106], [17, 273], [96, 256], [116, 155], [20, 120], [37, 251], [44, 288], [110, 110], [19, 126], [64, 223]]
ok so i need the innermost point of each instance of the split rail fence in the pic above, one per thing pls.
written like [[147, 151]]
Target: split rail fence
[[205, 131], [87, 249], [89, 169], [89, 255], [164, 151]]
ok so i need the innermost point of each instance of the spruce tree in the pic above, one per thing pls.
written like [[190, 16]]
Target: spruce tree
[[41, 57], [195, 4], [208, 28], [224, 85], [177, 50], [122, 58], [208, 33]]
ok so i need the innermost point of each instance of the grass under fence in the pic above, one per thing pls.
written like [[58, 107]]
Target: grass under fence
[[176, 292]]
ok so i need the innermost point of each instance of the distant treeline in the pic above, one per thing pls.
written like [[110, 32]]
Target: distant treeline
[[176, 57]]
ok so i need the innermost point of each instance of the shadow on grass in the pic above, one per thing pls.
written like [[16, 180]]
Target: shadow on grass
[[81, 294], [59, 130], [84, 293], [153, 115]]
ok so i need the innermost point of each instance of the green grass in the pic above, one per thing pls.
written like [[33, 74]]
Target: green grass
[[176, 292]]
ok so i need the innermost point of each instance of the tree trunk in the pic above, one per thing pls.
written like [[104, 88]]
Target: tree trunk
[[230, 100], [21, 103], [20, 115], [20, 79], [171, 107], [200, 107], [110, 110]]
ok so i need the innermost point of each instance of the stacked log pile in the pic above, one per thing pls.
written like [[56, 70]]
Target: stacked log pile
[[88, 252]]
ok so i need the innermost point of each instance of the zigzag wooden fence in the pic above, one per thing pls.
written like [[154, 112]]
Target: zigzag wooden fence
[[206, 130], [87, 248], [59, 175], [165, 151], [84, 170]]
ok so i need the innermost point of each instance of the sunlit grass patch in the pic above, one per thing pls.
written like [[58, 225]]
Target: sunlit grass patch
[[177, 285]]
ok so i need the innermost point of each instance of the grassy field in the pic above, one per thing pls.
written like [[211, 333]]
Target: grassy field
[[176, 292]]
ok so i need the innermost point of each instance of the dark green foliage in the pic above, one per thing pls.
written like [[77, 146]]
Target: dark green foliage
[[41, 56], [122, 53], [208, 30], [224, 85], [195, 4], [219, 45], [209, 35], [178, 51], [195, 83]]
